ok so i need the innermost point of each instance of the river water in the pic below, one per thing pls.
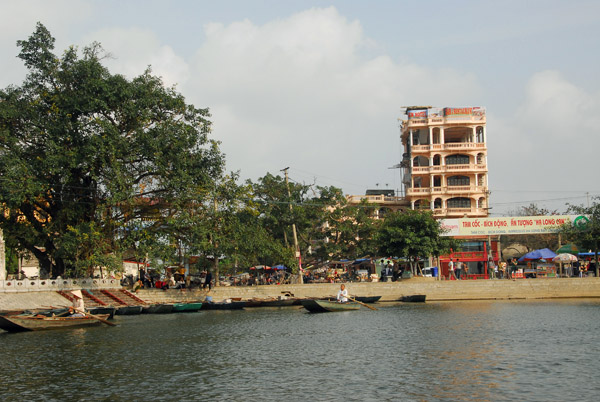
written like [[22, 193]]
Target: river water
[[474, 351]]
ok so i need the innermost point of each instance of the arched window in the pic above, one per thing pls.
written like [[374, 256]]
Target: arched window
[[421, 204], [437, 161], [458, 181], [457, 160], [437, 203], [459, 202], [420, 161]]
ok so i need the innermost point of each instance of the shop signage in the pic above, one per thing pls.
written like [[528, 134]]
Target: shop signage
[[506, 225]]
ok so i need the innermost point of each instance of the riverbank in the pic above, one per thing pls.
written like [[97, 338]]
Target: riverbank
[[543, 288]]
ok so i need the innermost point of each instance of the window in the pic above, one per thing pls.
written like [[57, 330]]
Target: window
[[458, 181], [457, 160], [459, 203]]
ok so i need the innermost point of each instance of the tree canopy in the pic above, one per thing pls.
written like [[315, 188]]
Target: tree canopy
[[91, 162], [413, 235]]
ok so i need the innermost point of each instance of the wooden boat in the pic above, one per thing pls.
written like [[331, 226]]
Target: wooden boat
[[324, 306], [20, 323], [102, 310], [223, 305], [367, 299], [129, 310], [413, 298], [187, 307], [157, 309], [271, 302]]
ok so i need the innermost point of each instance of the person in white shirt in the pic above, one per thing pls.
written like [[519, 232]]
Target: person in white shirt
[[342, 295]]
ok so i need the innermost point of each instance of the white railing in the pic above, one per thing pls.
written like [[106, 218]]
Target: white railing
[[453, 146], [41, 285]]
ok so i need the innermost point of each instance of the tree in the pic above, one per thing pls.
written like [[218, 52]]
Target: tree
[[92, 163], [344, 230], [585, 230], [413, 234]]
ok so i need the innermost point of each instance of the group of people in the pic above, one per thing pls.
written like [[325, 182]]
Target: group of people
[[457, 269], [172, 281]]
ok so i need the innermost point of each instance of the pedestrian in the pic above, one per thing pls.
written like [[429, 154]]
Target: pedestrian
[[208, 281], [459, 266], [451, 269], [491, 269]]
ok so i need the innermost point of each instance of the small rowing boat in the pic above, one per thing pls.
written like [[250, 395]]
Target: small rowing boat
[[20, 323], [367, 299], [224, 305], [325, 306], [102, 310], [157, 309], [187, 307], [129, 310], [413, 298]]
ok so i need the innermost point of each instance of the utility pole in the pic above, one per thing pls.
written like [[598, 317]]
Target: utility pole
[[296, 248]]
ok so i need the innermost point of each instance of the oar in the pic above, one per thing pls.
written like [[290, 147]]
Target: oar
[[361, 303], [102, 320]]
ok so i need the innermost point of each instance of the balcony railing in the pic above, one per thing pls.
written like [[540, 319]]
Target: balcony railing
[[376, 199], [452, 146], [438, 120], [446, 190], [470, 167], [459, 212]]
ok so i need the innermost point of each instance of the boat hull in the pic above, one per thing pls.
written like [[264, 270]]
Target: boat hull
[[367, 299], [413, 298], [129, 310], [234, 305], [103, 310], [186, 307], [38, 323], [326, 306], [157, 309]]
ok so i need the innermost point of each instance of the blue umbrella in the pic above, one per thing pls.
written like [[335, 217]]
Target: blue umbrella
[[279, 267], [543, 253]]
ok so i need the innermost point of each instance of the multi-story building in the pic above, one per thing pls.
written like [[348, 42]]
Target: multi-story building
[[384, 198], [445, 160]]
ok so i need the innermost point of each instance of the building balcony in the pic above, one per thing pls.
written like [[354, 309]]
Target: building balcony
[[439, 121], [420, 191], [460, 212], [376, 199], [452, 146], [471, 167]]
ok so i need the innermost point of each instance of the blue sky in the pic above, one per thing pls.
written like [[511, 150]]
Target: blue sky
[[318, 85]]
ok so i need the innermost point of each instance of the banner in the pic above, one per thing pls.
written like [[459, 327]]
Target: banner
[[505, 225]]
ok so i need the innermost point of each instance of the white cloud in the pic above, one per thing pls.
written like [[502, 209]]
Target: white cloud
[[549, 146], [299, 92], [19, 19], [132, 50]]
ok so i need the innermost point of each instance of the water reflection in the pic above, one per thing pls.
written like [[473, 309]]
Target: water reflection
[[480, 351]]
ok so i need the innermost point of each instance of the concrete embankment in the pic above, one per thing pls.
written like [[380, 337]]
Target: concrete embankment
[[551, 288]]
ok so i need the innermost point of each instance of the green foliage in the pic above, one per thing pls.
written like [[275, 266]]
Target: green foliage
[[93, 164], [413, 234], [585, 233]]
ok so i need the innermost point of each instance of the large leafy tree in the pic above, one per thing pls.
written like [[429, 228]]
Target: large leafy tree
[[585, 230], [343, 230], [413, 234], [92, 163]]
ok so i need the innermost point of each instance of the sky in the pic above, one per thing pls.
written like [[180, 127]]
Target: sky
[[319, 86]]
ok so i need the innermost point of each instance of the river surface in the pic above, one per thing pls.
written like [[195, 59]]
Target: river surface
[[473, 351]]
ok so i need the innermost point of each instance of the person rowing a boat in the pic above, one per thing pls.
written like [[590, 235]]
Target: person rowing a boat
[[78, 308], [342, 295]]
